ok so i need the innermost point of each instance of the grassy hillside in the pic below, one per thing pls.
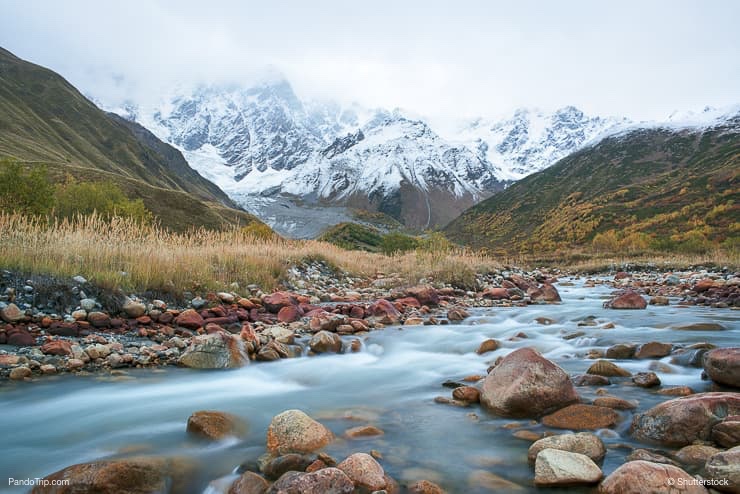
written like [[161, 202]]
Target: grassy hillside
[[45, 120], [647, 190]]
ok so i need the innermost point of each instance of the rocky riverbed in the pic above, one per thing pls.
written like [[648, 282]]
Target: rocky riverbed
[[529, 381]]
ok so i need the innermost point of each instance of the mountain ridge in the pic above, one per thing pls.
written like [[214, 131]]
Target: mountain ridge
[[46, 120]]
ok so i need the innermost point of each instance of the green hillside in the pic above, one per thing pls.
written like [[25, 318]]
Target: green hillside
[[650, 189], [44, 120]]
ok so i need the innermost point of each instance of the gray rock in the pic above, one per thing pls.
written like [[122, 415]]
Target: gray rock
[[556, 467]]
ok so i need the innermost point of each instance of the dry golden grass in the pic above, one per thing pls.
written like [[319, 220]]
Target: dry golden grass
[[587, 261], [120, 253]]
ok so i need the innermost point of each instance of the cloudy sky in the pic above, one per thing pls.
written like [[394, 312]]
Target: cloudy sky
[[446, 59]]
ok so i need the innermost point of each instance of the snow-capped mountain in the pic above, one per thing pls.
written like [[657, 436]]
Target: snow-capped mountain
[[263, 141], [268, 149], [532, 140]]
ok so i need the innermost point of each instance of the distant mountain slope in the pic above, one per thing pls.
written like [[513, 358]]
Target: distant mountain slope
[[263, 145], [44, 119], [665, 186]]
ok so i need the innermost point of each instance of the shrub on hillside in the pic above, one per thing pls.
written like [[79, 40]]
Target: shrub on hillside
[[397, 243], [26, 191], [104, 198]]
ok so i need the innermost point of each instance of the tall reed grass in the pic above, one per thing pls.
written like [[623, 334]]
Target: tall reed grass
[[120, 253]]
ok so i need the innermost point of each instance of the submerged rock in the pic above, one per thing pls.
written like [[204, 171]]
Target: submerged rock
[[249, 483], [214, 425], [526, 384]]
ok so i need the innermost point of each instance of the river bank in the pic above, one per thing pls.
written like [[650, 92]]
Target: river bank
[[406, 381]]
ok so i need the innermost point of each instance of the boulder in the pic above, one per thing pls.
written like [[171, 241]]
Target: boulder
[[644, 477], [214, 425], [326, 321], [525, 384], [695, 455], [727, 432], [363, 431], [425, 294], [325, 342], [722, 365], [457, 314], [724, 470], [292, 462], [580, 416], [545, 293], [554, 467], [127, 476], [681, 421], [278, 300], [385, 311], [20, 373], [293, 431], [99, 319], [189, 319], [12, 314], [628, 300], [646, 379], [584, 443], [364, 471], [607, 369], [495, 293], [621, 351], [57, 347], [215, 351], [325, 481], [249, 483], [133, 309], [653, 349], [488, 345], [469, 394], [290, 313], [21, 337]]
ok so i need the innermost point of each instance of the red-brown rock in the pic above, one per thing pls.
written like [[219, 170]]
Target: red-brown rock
[[325, 481], [425, 294], [681, 421], [644, 477], [127, 476], [628, 300], [20, 337], [525, 384], [278, 300], [290, 313], [215, 425], [385, 312], [495, 293], [364, 471], [190, 319], [722, 365], [57, 347]]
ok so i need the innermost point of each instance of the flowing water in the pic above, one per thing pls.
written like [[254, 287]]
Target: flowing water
[[55, 422]]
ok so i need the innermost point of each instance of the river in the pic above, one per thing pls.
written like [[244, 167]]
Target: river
[[58, 421]]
